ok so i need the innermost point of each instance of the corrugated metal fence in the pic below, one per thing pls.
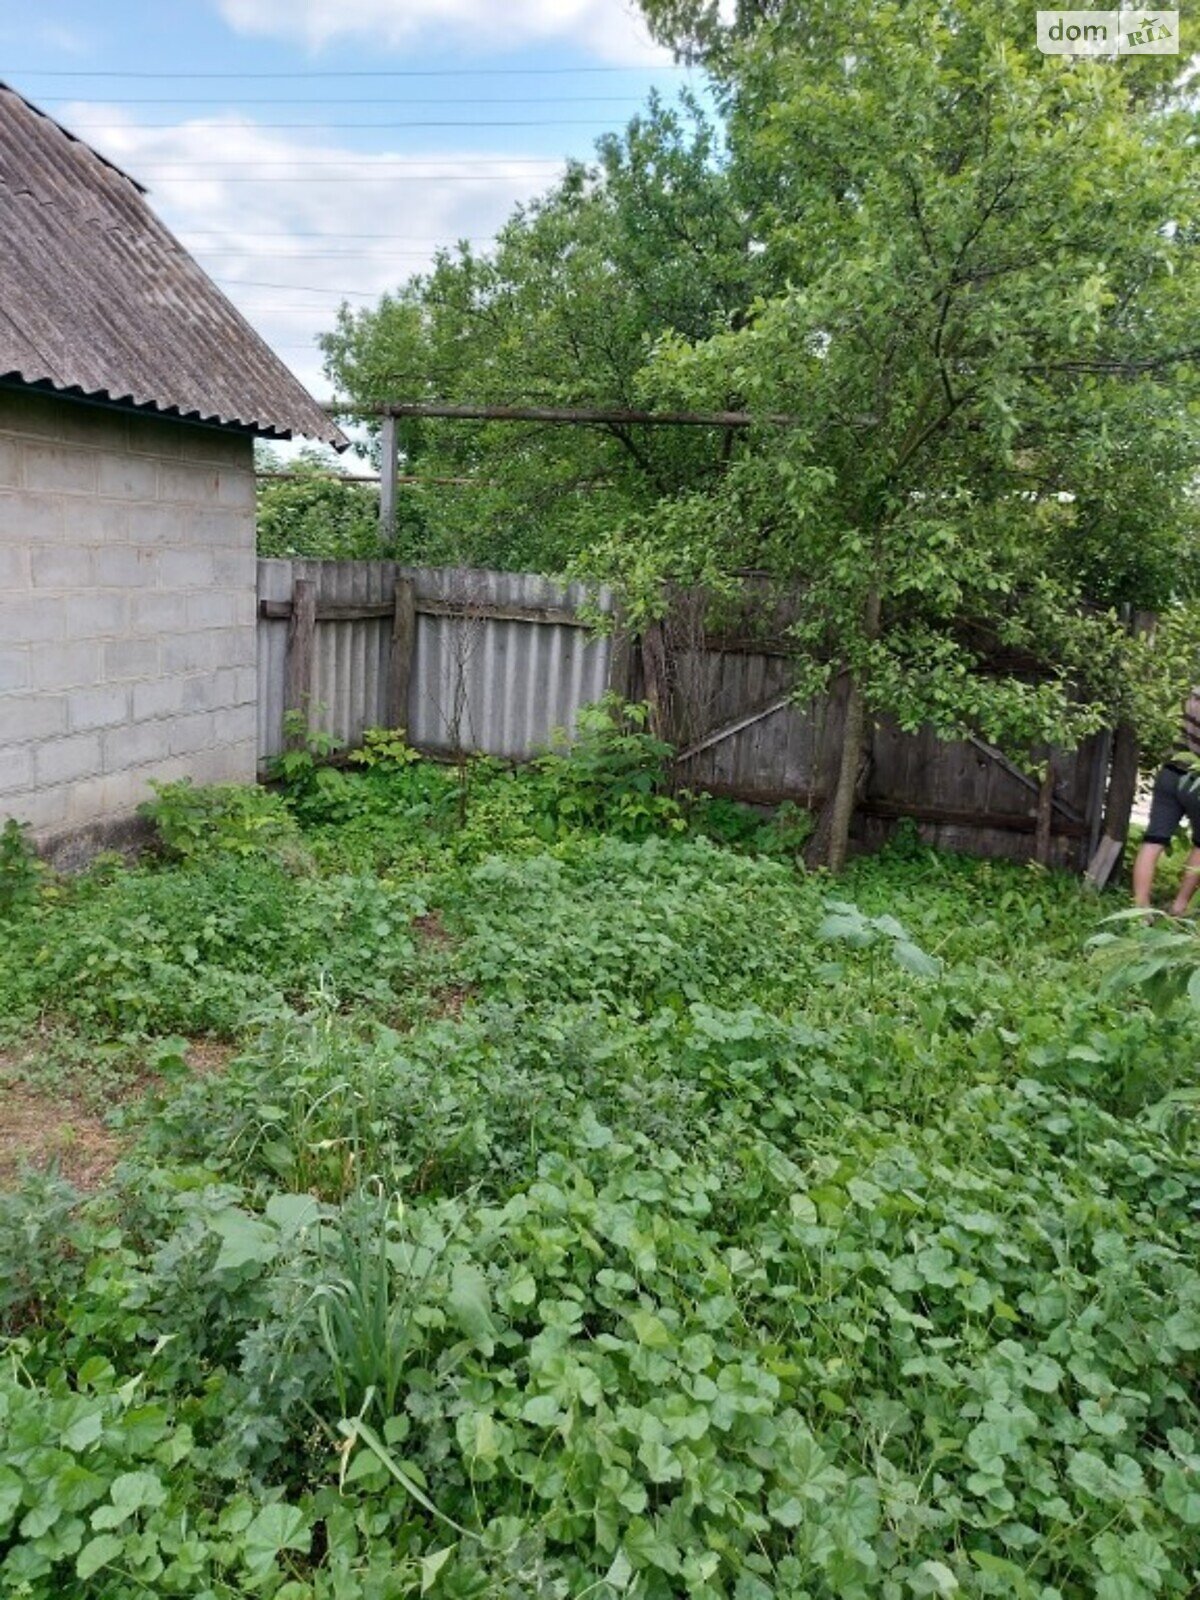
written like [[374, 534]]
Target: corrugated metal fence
[[498, 659], [474, 660]]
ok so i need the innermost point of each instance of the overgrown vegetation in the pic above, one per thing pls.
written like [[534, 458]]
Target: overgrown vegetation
[[592, 1207]]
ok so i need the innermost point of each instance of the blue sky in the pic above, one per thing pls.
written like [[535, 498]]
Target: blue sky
[[375, 130]]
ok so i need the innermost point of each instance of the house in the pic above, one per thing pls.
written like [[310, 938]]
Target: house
[[131, 393]]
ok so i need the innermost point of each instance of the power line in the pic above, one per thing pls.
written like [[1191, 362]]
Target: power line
[[361, 100], [333, 72], [401, 238], [571, 122], [353, 159], [382, 177], [306, 288]]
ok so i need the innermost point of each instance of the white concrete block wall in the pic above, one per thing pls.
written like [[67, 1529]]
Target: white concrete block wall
[[127, 610]]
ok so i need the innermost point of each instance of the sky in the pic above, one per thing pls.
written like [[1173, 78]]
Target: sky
[[308, 152]]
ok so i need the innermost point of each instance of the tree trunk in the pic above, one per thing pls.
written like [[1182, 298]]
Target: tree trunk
[[845, 797], [853, 760]]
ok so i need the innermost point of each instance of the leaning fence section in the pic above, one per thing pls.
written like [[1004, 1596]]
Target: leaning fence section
[[493, 662]]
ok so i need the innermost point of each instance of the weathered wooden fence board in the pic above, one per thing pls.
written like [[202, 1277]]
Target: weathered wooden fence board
[[495, 662]]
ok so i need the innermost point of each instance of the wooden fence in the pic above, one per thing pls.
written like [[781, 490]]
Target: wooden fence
[[494, 662]]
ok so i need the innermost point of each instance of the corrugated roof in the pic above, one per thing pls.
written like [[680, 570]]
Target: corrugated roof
[[98, 299]]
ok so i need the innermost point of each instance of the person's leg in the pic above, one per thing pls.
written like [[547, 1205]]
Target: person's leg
[[1189, 882], [1166, 813], [1144, 864]]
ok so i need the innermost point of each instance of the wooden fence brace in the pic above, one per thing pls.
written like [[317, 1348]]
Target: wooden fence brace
[[1095, 801], [298, 680], [400, 660], [389, 466], [728, 729], [1014, 771]]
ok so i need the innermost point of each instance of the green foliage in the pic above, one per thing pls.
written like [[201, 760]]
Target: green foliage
[[224, 819], [650, 238], [318, 513], [588, 1212], [1156, 955], [611, 773], [21, 872]]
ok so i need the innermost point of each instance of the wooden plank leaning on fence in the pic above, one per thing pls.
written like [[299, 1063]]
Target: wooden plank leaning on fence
[[298, 678], [400, 659]]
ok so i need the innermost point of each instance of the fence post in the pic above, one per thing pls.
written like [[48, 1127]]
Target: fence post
[[657, 680], [404, 638], [388, 470], [302, 628]]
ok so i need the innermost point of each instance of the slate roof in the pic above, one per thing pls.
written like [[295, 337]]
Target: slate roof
[[99, 300]]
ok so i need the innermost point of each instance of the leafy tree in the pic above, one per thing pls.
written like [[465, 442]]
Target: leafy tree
[[315, 511], [563, 310], [986, 342]]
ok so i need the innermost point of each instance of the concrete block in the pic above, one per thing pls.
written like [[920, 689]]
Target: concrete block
[[228, 529], [224, 764], [97, 614], [87, 520], [10, 462], [203, 691], [131, 658], [14, 672], [189, 734], [32, 619], [43, 809], [59, 469], [24, 717], [152, 524], [137, 744], [103, 707], [40, 416], [29, 518], [127, 477], [190, 483], [16, 768], [15, 568], [215, 608], [65, 760], [151, 611], [156, 436], [217, 445], [236, 487], [63, 666], [236, 724], [235, 569], [161, 698], [124, 566], [60, 566], [237, 647], [93, 426], [185, 569], [245, 688], [193, 652]]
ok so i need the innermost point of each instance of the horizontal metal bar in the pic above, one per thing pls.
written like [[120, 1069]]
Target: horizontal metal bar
[[614, 416]]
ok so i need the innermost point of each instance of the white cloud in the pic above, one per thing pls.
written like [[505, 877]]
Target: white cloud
[[275, 222], [612, 30]]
